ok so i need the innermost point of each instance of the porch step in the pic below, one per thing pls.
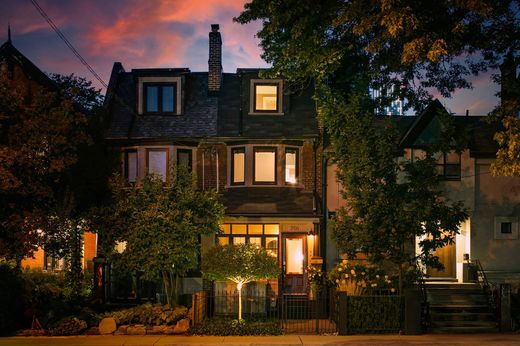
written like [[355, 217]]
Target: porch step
[[459, 308]]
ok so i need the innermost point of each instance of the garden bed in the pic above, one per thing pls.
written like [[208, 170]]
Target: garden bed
[[220, 326]]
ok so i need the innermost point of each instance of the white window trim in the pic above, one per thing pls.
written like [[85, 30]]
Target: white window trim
[[252, 95], [172, 80]]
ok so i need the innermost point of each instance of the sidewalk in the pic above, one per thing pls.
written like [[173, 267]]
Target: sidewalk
[[286, 340]]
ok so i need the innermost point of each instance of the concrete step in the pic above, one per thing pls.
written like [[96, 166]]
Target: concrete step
[[464, 330], [483, 324], [462, 316]]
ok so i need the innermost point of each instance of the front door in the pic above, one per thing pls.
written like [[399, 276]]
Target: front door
[[446, 256], [294, 263]]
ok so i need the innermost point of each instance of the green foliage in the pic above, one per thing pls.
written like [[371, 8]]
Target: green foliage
[[80, 90], [415, 44], [391, 201], [358, 279], [161, 224], [227, 327], [148, 314], [382, 313], [239, 263]]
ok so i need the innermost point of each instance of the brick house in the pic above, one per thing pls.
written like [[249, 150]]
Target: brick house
[[250, 138], [22, 72]]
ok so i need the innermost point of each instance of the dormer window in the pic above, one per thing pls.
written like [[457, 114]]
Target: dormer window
[[266, 96], [160, 98], [159, 95]]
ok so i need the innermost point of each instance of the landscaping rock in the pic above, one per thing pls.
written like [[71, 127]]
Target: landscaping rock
[[182, 326], [107, 326], [138, 329], [156, 330], [169, 330], [121, 330]]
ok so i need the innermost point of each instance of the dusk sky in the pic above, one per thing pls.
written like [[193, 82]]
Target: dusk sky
[[156, 33]]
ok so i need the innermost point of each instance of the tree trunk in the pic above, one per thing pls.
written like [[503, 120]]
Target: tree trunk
[[167, 286], [239, 288]]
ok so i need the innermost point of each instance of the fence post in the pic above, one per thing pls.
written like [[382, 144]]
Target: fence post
[[412, 312], [505, 308], [342, 313]]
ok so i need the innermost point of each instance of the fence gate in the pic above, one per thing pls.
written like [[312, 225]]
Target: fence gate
[[301, 314]]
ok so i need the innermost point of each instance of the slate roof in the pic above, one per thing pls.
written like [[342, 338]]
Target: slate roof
[[199, 117], [9, 54], [298, 121], [269, 201]]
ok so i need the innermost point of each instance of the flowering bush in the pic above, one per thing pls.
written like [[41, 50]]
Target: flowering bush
[[357, 279], [317, 278]]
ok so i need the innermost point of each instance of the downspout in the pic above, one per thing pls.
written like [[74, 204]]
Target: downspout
[[241, 115], [203, 172], [325, 213], [216, 151]]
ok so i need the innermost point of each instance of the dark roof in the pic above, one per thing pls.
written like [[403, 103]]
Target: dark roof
[[198, 119], [266, 201], [298, 119], [10, 55]]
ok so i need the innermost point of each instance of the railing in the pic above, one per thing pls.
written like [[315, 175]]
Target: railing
[[486, 286], [296, 314], [425, 305]]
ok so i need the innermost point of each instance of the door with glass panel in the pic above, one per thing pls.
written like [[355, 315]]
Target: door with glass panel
[[294, 264]]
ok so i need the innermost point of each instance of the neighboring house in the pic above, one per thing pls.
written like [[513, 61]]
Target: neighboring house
[[22, 72], [250, 138], [490, 234]]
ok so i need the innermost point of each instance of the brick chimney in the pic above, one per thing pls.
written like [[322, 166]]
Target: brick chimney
[[215, 59]]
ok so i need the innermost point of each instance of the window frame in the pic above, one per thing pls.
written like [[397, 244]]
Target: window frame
[[253, 110], [190, 161], [445, 164], [297, 164], [232, 177], [148, 150], [266, 149], [160, 86], [263, 236], [125, 165]]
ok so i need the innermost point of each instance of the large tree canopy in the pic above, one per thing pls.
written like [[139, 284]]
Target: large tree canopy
[[414, 44]]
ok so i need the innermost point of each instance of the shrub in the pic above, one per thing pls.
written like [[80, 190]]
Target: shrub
[[357, 279], [68, 326], [148, 314], [229, 327], [11, 298]]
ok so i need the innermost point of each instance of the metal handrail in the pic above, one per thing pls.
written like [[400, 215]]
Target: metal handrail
[[484, 283], [425, 305]]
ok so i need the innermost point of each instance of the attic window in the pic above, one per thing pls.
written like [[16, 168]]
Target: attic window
[[160, 98], [266, 97]]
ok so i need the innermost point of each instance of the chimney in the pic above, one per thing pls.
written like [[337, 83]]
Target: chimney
[[215, 59]]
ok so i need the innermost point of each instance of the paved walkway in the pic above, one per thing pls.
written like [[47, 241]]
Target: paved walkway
[[286, 340]]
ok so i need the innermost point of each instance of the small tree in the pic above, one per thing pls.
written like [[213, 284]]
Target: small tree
[[241, 264], [161, 223]]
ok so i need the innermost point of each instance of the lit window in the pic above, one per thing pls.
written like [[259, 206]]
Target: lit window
[[160, 98], [131, 166], [291, 166], [261, 235], [184, 158], [265, 166], [238, 166], [157, 162], [266, 97]]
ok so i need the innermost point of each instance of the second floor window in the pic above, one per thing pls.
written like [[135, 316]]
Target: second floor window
[[266, 98], [160, 98], [238, 166], [157, 162], [131, 165], [448, 166], [291, 165], [264, 165]]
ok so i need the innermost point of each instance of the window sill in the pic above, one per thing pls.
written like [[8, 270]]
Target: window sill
[[266, 113]]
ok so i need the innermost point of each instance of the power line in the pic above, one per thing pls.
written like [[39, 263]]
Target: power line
[[67, 42]]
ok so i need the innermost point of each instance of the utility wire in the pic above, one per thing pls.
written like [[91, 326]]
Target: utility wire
[[67, 42]]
